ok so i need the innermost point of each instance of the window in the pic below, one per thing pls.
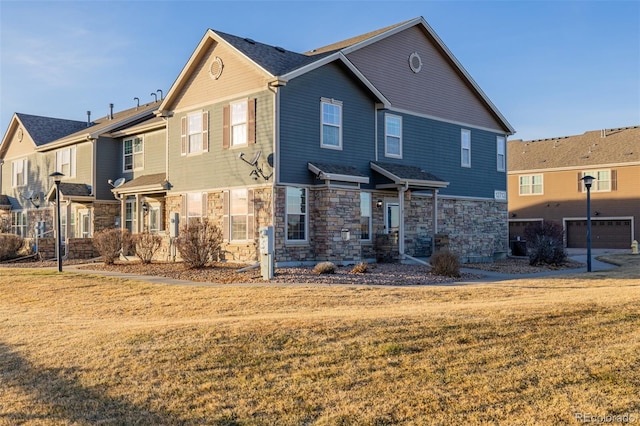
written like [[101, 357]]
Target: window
[[604, 180], [239, 212], [19, 173], [67, 223], [392, 217], [155, 214], [331, 136], [393, 136], [296, 214], [131, 215], [194, 206], [365, 216], [531, 185], [133, 154], [195, 133], [84, 219], [500, 149], [239, 123], [465, 148], [19, 223], [66, 161]]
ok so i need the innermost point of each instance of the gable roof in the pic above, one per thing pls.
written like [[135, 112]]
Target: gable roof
[[591, 149], [42, 130], [411, 176], [106, 124]]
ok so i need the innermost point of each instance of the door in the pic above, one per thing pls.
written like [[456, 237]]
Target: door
[[392, 217]]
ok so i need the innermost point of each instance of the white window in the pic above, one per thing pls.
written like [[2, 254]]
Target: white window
[[195, 133], [239, 210], [131, 215], [133, 154], [239, 119], [531, 185], [84, 223], [19, 223], [66, 161], [296, 214], [194, 207], [465, 148], [393, 136], [331, 135], [19, 173], [392, 217], [602, 181], [501, 150], [365, 216]]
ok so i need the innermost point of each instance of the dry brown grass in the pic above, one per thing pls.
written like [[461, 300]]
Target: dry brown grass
[[83, 349]]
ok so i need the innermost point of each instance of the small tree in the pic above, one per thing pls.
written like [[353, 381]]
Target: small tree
[[199, 243], [545, 243], [111, 242], [446, 264], [146, 245]]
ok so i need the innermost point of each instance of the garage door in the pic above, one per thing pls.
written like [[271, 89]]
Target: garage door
[[517, 228], [604, 234]]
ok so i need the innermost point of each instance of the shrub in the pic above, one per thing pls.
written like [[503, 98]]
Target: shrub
[[446, 264], [324, 268], [10, 245], [360, 268], [199, 243], [146, 245], [545, 243], [111, 242]]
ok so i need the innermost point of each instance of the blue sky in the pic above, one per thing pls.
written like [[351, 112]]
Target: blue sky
[[553, 68]]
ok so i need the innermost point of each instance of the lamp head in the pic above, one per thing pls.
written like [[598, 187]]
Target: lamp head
[[57, 176], [588, 180]]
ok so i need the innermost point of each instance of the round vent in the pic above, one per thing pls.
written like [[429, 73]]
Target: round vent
[[415, 63], [216, 68]]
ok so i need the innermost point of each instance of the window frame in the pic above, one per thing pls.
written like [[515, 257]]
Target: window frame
[[23, 164], [332, 103], [304, 214], [72, 161], [133, 154], [19, 228], [598, 181], [190, 198], [244, 124], [387, 153], [465, 146], [131, 203], [531, 184], [366, 200], [155, 208], [241, 203], [501, 153]]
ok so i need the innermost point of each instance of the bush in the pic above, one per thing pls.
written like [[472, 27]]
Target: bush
[[324, 268], [446, 264], [545, 243], [360, 268], [146, 245], [111, 242], [10, 245], [199, 243]]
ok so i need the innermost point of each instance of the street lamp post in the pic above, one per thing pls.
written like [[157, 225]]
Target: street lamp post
[[588, 181], [57, 177]]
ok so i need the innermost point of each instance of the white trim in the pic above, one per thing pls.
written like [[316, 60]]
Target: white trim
[[305, 240], [336, 176], [444, 120], [132, 139], [338, 104], [501, 141], [530, 185], [464, 132], [581, 167]]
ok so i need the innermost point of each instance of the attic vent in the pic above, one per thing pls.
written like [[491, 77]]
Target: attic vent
[[415, 62], [250, 41], [279, 49]]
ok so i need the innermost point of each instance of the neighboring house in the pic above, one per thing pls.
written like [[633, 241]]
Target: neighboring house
[[545, 185], [86, 153], [371, 148]]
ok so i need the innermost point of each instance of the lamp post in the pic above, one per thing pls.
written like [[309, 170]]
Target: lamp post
[[588, 181], [57, 177]]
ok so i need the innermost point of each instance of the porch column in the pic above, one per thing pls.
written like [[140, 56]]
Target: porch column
[[401, 192], [435, 220]]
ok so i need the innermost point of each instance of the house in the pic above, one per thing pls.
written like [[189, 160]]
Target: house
[[377, 147], [86, 153], [544, 184]]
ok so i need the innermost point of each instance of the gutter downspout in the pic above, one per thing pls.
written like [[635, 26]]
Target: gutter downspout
[[375, 126], [435, 220]]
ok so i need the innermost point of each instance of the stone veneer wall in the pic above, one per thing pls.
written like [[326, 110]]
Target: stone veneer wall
[[104, 214]]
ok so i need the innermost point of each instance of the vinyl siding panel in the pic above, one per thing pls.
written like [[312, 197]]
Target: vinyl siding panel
[[300, 123], [155, 153], [438, 90], [239, 75], [221, 168], [84, 164], [109, 166], [435, 146]]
